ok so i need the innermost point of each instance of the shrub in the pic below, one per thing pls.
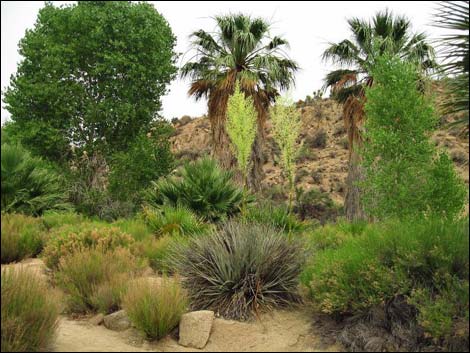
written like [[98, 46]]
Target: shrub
[[29, 312], [315, 205], [172, 220], [318, 140], [424, 260], [56, 219], [93, 278], [153, 308], [29, 185], [201, 186], [21, 237], [241, 268], [277, 217], [136, 227], [67, 240]]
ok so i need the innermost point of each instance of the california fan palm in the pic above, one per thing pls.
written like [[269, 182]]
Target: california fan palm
[[370, 39], [240, 49]]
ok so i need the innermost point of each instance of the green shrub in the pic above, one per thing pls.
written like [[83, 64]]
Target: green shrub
[[241, 268], [29, 312], [29, 185], [155, 309], [135, 227], [67, 240], [424, 260], [201, 186], [22, 236], [56, 219], [276, 216], [93, 278], [173, 220], [315, 205]]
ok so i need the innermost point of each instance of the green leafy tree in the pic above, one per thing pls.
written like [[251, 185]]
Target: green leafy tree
[[92, 76], [357, 56], [240, 49], [241, 128], [404, 174], [286, 126]]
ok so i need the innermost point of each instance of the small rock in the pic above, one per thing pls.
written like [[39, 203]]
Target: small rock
[[118, 321], [195, 328], [96, 320]]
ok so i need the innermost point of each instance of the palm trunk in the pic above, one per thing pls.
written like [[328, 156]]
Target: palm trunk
[[353, 206]]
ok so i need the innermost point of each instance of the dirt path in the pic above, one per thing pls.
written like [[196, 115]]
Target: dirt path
[[280, 331]]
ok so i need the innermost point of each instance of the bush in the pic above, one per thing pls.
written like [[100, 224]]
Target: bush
[[201, 186], [136, 227], [277, 217], [29, 312], [315, 205], [67, 240], [21, 237], [29, 185], [173, 220], [94, 279], [318, 140], [56, 219], [426, 261], [155, 309], [241, 268]]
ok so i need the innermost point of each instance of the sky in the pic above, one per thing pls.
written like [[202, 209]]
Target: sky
[[308, 26]]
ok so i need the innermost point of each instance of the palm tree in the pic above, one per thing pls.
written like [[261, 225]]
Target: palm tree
[[370, 39], [241, 49], [454, 52]]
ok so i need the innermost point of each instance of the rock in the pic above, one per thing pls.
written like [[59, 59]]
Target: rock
[[96, 320], [118, 321], [195, 328], [185, 119]]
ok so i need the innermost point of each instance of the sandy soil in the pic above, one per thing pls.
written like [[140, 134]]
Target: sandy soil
[[280, 331]]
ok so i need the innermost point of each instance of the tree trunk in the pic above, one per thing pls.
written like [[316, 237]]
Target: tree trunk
[[353, 206], [257, 162], [220, 142]]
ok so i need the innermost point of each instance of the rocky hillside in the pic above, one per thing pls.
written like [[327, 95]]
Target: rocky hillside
[[322, 163]]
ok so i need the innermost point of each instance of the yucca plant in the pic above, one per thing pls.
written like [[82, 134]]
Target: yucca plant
[[241, 269], [201, 186], [28, 185], [172, 220], [454, 52]]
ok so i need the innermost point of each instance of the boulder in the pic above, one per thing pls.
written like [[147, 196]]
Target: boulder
[[96, 320], [195, 328], [118, 321]]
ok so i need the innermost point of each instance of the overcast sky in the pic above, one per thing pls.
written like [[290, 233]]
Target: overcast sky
[[308, 26]]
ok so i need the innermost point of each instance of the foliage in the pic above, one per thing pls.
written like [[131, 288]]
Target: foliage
[[155, 309], [77, 86], [241, 128], [240, 269], [201, 186], [286, 125], [424, 260], [93, 278], [398, 151], [29, 312], [275, 216], [68, 240], [56, 219], [314, 204], [172, 220], [454, 52], [28, 185], [148, 158], [22, 237], [136, 227]]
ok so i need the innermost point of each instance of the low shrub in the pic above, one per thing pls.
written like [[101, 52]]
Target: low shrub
[[56, 219], [426, 261], [318, 140], [173, 220], [135, 227], [67, 240], [29, 312], [155, 308], [203, 187], [276, 216], [315, 205], [22, 236], [240, 269], [94, 279]]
